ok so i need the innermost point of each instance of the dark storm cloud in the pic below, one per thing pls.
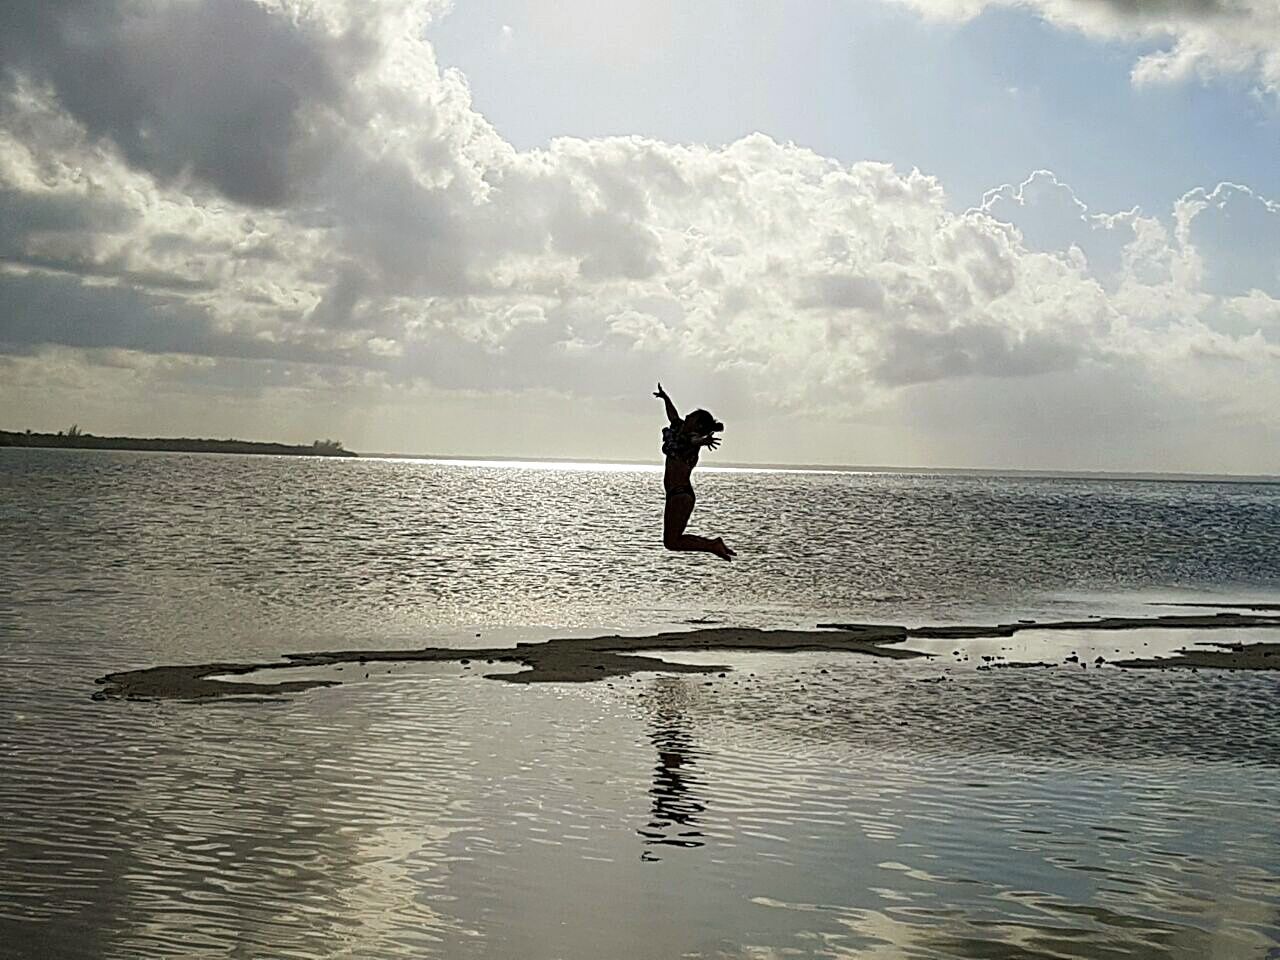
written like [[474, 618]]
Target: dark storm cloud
[[148, 280], [1158, 9], [42, 308], [67, 220], [23, 214], [217, 90]]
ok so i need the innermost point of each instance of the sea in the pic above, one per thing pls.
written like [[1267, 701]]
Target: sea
[[791, 805]]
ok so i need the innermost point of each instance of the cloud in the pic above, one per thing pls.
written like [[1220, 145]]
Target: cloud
[[640, 331], [340, 204], [1236, 235], [217, 90], [1196, 38], [1050, 217]]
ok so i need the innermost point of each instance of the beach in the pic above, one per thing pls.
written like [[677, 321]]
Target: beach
[[311, 709]]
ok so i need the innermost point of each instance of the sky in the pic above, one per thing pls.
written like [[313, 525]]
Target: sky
[[1039, 234]]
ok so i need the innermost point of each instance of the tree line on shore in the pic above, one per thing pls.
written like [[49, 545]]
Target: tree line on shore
[[77, 438]]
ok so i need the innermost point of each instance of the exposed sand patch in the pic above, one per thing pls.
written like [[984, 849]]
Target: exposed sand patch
[[1227, 656], [598, 658]]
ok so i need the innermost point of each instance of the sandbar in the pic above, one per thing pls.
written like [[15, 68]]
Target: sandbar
[[583, 660]]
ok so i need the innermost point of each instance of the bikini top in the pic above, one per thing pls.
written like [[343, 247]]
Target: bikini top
[[679, 445]]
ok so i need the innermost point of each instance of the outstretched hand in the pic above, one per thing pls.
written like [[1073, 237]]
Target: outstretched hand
[[660, 392], [712, 442]]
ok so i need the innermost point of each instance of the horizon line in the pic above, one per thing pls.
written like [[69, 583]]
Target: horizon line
[[772, 466], [1084, 474]]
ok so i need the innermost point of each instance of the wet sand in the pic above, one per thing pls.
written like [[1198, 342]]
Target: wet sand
[[583, 660], [1226, 656]]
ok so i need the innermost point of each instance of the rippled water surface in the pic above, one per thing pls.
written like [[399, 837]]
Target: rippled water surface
[[801, 805]]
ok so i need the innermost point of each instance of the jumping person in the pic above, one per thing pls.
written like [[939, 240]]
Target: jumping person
[[681, 440]]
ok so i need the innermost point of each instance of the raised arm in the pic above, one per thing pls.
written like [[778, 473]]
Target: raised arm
[[673, 414]]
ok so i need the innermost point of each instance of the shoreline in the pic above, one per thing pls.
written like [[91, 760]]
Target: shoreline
[[575, 660], [88, 441]]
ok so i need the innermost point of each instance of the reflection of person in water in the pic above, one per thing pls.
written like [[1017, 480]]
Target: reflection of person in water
[[676, 814]]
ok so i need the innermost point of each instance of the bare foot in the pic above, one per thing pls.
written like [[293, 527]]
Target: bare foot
[[722, 551]]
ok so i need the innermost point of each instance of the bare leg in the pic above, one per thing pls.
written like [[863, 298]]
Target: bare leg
[[674, 521]]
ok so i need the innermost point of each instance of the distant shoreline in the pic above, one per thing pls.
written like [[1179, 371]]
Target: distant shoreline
[[9, 438], [85, 441]]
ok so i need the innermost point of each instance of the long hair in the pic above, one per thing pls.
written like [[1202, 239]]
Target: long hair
[[703, 422]]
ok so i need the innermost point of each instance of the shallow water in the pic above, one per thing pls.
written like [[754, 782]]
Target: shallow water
[[389, 547], [802, 805]]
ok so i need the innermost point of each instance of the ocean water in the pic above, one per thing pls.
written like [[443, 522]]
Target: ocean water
[[801, 805]]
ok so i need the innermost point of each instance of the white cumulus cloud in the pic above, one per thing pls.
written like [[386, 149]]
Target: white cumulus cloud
[[1193, 38]]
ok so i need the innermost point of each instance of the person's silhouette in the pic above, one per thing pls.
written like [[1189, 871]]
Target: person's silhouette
[[682, 439]]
